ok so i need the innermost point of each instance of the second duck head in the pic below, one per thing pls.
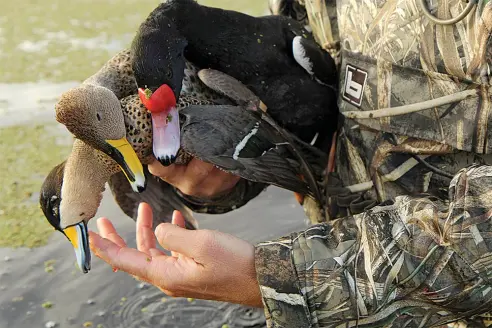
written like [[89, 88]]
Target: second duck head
[[92, 113]]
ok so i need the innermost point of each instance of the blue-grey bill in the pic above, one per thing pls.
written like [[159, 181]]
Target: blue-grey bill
[[79, 237]]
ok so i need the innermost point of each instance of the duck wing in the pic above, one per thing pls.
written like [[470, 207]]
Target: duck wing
[[228, 86], [160, 195], [233, 88], [239, 141]]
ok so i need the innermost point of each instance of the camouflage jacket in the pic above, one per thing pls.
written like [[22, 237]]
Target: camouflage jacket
[[410, 196], [409, 240]]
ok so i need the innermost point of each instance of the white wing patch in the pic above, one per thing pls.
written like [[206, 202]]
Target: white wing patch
[[240, 146], [314, 139], [300, 55]]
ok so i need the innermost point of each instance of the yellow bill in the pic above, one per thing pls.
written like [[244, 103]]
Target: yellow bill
[[128, 160]]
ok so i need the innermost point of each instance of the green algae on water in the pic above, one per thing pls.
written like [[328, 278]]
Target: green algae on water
[[17, 299], [49, 266], [28, 154], [55, 41]]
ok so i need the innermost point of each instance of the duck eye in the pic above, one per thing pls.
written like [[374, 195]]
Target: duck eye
[[98, 116]]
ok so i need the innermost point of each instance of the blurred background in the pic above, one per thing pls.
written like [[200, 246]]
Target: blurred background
[[47, 47]]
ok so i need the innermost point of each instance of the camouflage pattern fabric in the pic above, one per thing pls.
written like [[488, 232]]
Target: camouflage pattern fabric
[[414, 95], [421, 106], [407, 239], [424, 110], [413, 262]]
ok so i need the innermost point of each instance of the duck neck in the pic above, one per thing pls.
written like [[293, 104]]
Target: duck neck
[[84, 180]]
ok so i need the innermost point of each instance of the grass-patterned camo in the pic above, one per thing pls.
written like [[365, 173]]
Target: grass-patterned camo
[[414, 262], [409, 241]]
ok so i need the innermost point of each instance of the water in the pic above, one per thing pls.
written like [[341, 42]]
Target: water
[[22, 103], [116, 300]]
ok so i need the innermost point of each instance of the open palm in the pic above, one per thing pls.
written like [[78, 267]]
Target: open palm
[[203, 264]]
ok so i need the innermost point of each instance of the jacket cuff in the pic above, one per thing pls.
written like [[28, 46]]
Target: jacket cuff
[[283, 298]]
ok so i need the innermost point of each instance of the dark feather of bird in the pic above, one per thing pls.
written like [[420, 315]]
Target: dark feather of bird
[[269, 155]]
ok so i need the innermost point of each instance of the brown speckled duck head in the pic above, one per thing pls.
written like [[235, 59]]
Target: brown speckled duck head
[[93, 114]]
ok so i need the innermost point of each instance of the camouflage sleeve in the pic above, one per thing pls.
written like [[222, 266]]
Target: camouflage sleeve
[[415, 262], [240, 195]]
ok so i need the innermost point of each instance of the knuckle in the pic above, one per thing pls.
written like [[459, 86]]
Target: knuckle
[[162, 234], [189, 187], [158, 170]]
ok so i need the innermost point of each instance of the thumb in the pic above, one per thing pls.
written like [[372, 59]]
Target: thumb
[[174, 238]]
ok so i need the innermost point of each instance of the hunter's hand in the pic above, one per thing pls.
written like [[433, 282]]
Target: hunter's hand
[[197, 178], [203, 264]]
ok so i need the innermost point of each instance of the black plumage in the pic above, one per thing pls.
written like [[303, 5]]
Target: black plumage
[[255, 50]]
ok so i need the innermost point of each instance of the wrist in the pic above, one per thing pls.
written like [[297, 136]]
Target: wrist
[[254, 298]]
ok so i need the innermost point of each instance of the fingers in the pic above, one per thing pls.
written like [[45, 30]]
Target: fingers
[[186, 178], [217, 182], [171, 174], [123, 258], [197, 178], [155, 252], [178, 219], [177, 239], [145, 233], [108, 231], [197, 171]]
